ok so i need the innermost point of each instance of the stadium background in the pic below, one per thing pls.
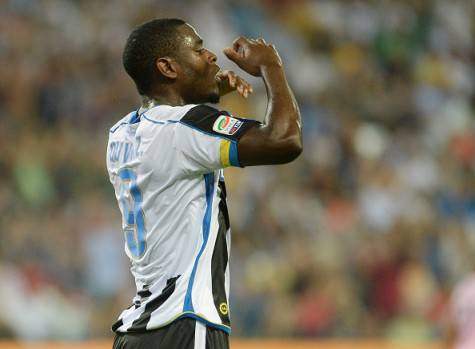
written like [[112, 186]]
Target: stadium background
[[362, 237]]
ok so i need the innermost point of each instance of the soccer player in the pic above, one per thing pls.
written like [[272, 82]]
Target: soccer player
[[166, 160]]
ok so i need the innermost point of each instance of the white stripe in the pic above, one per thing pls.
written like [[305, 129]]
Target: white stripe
[[200, 335]]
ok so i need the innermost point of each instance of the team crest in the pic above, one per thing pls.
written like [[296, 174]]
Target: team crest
[[223, 308], [226, 125]]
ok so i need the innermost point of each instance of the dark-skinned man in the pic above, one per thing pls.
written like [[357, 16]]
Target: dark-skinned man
[[166, 160]]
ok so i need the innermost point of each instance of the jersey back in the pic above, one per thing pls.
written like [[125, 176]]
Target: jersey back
[[166, 166]]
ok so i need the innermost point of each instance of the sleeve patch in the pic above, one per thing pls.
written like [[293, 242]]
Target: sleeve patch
[[227, 125], [217, 123]]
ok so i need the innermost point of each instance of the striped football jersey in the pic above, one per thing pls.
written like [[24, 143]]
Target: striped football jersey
[[166, 165]]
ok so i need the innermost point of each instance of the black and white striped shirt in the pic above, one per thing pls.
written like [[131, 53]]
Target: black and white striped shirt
[[166, 166]]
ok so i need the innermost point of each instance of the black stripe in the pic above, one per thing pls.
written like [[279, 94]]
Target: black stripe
[[140, 324], [223, 207], [180, 334], [216, 338], [219, 263], [202, 117], [117, 324], [143, 294]]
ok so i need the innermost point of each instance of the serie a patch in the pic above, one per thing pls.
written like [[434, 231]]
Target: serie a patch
[[226, 125]]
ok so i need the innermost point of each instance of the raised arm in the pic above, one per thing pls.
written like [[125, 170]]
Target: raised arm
[[279, 139]]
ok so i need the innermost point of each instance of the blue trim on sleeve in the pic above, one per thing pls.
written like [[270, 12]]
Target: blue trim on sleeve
[[209, 185], [160, 122], [146, 118], [154, 121], [233, 154], [112, 130]]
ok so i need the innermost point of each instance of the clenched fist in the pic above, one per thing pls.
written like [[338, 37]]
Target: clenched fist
[[251, 55]]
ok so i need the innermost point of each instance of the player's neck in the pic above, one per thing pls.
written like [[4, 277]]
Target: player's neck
[[166, 98]]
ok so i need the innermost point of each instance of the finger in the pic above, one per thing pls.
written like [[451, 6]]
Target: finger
[[249, 88], [245, 84], [232, 79], [247, 91], [222, 74], [231, 54], [239, 83], [240, 43], [241, 40]]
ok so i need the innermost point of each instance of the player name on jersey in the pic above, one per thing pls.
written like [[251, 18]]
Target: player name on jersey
[[123, 151]]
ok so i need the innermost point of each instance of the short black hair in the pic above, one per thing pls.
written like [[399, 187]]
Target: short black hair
[[149, 41]]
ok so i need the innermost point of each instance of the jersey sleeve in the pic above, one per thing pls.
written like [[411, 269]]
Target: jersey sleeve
[[208, 138]]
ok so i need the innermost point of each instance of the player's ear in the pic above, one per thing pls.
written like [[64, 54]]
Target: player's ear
[[166, 66]]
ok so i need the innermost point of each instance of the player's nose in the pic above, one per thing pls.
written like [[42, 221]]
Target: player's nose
[[212, 58]]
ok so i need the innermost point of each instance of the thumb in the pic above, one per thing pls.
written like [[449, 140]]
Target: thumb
[[231, 54]]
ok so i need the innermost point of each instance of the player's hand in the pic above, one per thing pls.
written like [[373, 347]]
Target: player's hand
[[251, 55], [228, 81]]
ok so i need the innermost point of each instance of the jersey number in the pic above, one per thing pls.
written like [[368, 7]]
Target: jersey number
[[130, 199]]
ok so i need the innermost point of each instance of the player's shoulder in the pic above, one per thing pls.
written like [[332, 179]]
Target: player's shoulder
[[122, 122], [216, 122], [159, 114], [200, 117], [162, 113]]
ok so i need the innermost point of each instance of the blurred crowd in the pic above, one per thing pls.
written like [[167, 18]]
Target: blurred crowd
[[364, 235]]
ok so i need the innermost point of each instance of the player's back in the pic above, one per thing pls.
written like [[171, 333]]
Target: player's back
[[166, 168], [142, 166]]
